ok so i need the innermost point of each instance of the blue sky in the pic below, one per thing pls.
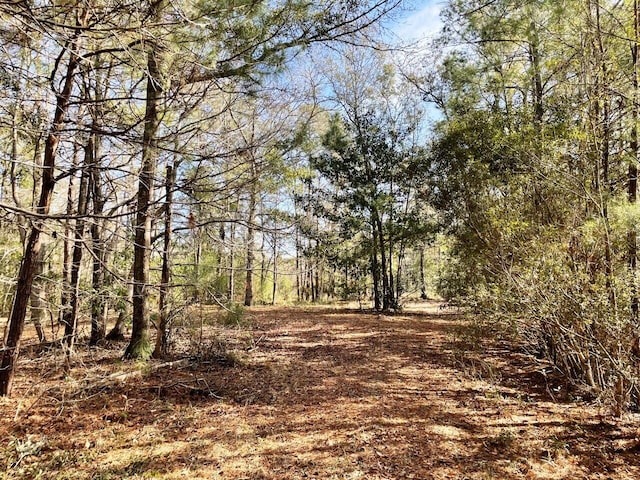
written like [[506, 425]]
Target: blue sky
[[422, 20]]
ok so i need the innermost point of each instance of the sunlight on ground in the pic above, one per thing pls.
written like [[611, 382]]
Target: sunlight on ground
[[318, 393]]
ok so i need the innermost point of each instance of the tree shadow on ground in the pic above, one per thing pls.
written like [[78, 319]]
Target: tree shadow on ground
[[331, 393]]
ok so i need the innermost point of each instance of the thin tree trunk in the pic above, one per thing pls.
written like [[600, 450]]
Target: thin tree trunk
[[16, 119], [98, 303], [298, 248], [392, 292], [197, 256], [423, 284], [386, 297], [399, 273], [162, 336], [26, 273], [275, 270], [332, 283], [231, 274], [375, 268], [345, 290], [606, 187], [38, 296], [117, 333], [534, 58], [263, 261], [248, 291], [70, 319], [70, 316], [232, 257], [632, 193], [67, 244], [541, 206], [391, 247], [315, 278]]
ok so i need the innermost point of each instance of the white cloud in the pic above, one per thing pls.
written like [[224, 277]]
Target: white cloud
[[421, 22]]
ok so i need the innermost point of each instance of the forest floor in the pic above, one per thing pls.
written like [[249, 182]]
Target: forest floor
[[318, 393]]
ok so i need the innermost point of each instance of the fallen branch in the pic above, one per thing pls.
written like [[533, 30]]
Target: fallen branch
[[97, 383], [122, 377]]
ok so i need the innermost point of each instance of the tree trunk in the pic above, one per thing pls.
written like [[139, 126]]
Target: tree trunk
[[423, 284], [534, 59], [399, 273], [38, 296], [346, 290], [248, 291], [162, 336], [67, 244], [392, 292], [70, 318], [632, 193], [386, 294], [263, 255], [16, 120], [117, 333], [98, 303], [139, 346], [231, 275], [26, 273], [605, 186], [298, 248], [315, 276], [275, 270], [311, 291], [332, 283], [220, 270], [375, 268], [197, 255]]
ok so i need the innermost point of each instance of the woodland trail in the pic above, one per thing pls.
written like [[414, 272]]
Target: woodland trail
[[317, 393]]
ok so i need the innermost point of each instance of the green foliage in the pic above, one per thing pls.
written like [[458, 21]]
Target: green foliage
[[10, 254], [234, 316], [139, 349], [371, 176], [530, 184]]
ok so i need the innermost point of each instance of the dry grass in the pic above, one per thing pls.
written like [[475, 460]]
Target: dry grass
[[310, 393]]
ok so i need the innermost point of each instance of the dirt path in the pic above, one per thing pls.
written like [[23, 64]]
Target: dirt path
[[316, 393]]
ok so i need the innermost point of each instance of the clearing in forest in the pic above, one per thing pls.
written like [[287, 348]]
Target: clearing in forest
[[310, 393]]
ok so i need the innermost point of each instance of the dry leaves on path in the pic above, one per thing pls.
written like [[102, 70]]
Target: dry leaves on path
[[312, 393]]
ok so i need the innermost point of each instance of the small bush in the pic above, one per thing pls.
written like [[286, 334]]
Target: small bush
[[235, 316], [220, 352]]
